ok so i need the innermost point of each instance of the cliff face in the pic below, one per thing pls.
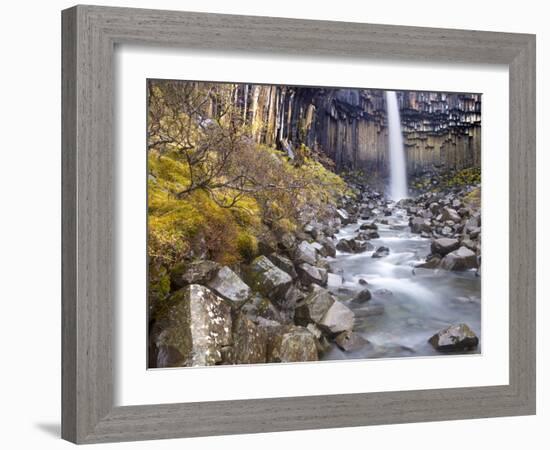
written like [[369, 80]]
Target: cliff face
[[350, 125]]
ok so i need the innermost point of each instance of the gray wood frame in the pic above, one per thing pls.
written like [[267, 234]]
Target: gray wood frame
[[89, 36]]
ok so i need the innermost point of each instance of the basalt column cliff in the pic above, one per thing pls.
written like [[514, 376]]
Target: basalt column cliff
[[441, 130]]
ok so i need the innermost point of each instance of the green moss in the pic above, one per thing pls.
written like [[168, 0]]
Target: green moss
[[247, 245]]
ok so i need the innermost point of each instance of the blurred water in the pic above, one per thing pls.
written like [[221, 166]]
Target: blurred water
[[421, 302]]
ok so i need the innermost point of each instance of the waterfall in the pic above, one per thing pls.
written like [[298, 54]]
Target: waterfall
[[398, 169]]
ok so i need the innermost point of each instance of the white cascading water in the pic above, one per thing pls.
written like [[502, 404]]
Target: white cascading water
[[398, 169]]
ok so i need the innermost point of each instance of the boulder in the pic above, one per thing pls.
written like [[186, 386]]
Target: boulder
[[309, 274], [362, 296], [287, 242], [283, 263], [305, 253], [193, 330], [260, 307], [338, 318], [199, 272], [450, 214], [229, 285], [461, 259], [381, 252], [344, 245], [249, 341], [350, 341], [418, 225], [343, 216], [443, 246], [314, 307], [292, 344], [328, 247], [455, 338], [266, 278], [353, 245]]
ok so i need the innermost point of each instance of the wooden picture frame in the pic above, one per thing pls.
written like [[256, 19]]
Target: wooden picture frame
[[90, 34]]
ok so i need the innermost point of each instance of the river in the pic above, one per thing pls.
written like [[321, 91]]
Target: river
[[408, 305]]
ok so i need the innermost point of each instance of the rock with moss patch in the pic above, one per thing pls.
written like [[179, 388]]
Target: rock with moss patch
[[229, 285], [309, 274], [266, 278], [193, 330], [249, 341], [292, 344], [198, 272]]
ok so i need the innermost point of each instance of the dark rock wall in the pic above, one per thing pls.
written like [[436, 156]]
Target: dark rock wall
[[350, 125]]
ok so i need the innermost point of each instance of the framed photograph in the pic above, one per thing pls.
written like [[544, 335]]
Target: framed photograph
[[266, 229]]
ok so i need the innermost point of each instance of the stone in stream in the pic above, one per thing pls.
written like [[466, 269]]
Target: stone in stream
[[193, 330], [461, 259], [309, 274], [353, 245], [381, 252], [370, 310], [362, 296], [314, 306], [338, 318], [443, 246], [199, 272], [350, 341], [362, 282], [455, 338], [305, 253], [383, 292], [368, 226], [266, 278], [432, 262], [229, 285]]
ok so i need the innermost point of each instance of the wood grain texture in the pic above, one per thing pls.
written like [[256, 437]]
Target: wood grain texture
[[89, 36]]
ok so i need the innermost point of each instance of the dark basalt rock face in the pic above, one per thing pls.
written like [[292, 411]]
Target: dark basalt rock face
[[350, 125]]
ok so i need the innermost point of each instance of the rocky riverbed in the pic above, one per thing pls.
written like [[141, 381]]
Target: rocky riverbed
[[377, 279]]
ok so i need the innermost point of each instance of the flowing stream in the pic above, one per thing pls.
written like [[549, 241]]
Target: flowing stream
[[408, 305], [398, 169]]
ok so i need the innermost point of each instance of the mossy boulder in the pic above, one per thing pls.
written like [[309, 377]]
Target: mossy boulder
[[229, 285], [193, 330], [266, 278], [292, 344], [249, 341]]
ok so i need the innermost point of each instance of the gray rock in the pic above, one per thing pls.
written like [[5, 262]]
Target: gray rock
[[193, 330], [305, 253], [350, 341], [455, 338], [338, 318], [443, 246], [369, 226], [450, 214], [432, 263], [266, 278], [309, 274], [461, 259], [292, 344], [283, 263], [228, 284], [249, 341], [261, 307], [418, 225], [314, 306], [344, 245], [287, 242]]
